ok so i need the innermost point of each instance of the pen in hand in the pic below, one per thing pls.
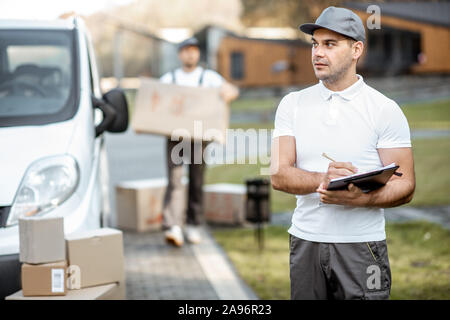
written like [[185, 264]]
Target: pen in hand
[[399, 174], [326, 156], [332, 160]]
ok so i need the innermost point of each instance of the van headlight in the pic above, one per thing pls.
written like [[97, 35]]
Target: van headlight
[[47, 183]]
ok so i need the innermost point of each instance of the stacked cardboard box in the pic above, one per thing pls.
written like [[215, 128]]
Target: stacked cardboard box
[[41, 240], [225, 203], [42, 251], [94, 263], [46, 279], [97, 256], [139, 204]]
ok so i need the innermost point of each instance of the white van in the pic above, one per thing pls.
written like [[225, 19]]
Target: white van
[[52, 158]]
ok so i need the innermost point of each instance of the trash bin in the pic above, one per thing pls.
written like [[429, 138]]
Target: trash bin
[[258, 200], [258, 206]]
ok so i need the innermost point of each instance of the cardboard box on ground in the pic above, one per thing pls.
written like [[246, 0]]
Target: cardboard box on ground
[[166, 109], [139, 204], [225, 203]]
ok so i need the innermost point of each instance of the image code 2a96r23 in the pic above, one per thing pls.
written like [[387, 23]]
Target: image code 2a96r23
[[226, 310]]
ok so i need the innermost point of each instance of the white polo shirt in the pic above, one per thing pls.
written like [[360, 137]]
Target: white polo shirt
[[211, 79], [349, 125]]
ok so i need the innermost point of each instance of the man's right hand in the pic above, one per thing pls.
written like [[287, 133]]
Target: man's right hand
[[229, 92], [338, 170]]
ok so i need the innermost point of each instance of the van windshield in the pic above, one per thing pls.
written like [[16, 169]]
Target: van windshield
[[38, 81]]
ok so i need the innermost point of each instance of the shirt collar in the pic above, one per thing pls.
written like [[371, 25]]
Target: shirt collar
[[348, 93]]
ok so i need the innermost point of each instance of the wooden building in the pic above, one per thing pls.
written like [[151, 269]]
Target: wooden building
[[249, 62], [414, 37]]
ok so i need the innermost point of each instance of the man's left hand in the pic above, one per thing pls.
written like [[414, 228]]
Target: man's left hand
[[353, 196]]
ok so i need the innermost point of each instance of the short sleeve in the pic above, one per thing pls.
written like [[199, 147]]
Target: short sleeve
[[284, 118], [212, 79], [166, 78], [393, 128]]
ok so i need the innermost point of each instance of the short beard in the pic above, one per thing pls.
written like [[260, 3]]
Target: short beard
[[189, 65], [338, 74]]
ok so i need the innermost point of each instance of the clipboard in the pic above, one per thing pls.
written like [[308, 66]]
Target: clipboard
[[367, 181]]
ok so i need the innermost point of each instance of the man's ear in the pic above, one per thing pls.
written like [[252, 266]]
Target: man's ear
[[357, 48]]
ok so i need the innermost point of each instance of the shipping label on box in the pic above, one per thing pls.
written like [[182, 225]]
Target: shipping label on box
[[181, 111], [41, 240], [224, 203], [98, 254], [47, 279]]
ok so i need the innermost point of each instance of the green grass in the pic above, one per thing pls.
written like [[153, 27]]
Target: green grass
[[267, 273], [418, 251], [431, 161], [420, 260], [255, 105], [431, 156], [428, 115], [425, 115], [252, 125]]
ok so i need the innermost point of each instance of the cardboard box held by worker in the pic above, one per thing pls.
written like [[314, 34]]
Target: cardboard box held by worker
[[139, 204], [97, 257], [173, 110], [225, 203], [41, 240]]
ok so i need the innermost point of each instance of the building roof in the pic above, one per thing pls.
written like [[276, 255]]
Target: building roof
[[296, 42], [437, 13]]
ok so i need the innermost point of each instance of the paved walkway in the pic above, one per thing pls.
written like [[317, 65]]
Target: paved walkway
[[157, 271]]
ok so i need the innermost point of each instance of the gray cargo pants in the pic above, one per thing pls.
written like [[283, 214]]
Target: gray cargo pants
[[339, 270]]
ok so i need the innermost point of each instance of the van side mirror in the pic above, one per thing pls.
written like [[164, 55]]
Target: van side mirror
[[116, 98], [115, 112]]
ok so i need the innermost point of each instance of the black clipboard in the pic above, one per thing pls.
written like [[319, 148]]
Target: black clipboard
[[365, 181]]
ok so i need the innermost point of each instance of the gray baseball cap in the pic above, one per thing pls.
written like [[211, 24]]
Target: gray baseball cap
[[340, 20], [188, 42]]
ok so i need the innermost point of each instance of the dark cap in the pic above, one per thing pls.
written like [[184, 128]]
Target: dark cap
[[188, 42], [340, 20]]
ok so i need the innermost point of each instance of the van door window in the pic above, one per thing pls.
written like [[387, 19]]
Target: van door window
[[38, 78]]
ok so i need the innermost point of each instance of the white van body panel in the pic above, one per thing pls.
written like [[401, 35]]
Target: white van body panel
[[24, 145], [74, 137]]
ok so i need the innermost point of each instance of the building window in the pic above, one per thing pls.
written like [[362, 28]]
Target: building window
[[237, 65]]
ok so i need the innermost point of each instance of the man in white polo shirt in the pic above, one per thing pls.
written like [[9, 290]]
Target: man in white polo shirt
[[337, 238]]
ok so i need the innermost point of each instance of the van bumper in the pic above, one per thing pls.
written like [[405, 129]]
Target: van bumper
[[9, 275]]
